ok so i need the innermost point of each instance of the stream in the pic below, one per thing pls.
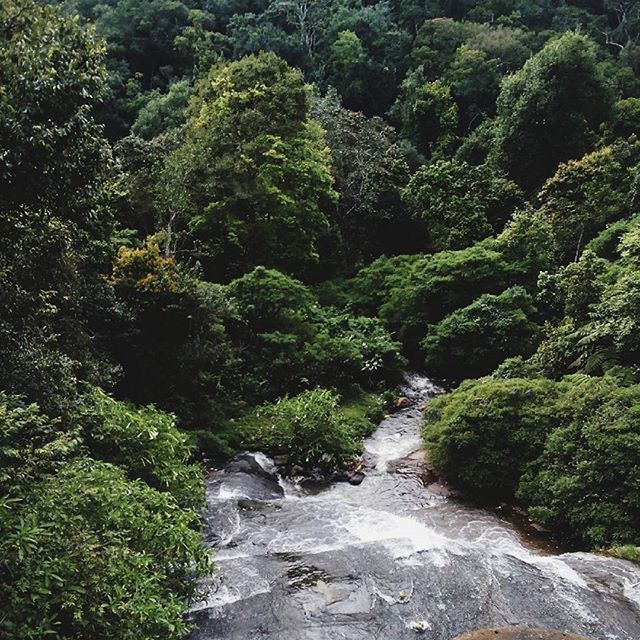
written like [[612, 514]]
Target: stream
[[392, 559]]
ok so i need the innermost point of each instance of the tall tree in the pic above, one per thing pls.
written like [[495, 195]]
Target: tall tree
[[548, 111], [253, 173], [54, 176]]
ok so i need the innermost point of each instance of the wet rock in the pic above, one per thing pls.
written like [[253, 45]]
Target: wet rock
[[245, 463], [355, 478], [281, 460], [244, 478], [297, 470]]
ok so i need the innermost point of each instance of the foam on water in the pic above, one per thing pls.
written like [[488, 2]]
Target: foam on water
[[376, 539]]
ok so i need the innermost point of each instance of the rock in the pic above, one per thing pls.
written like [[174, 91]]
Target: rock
[[297, 470], [419, 626], [281, 460], [245, 478], [519, 633], [403, 403], [245, 463], [356, 478]]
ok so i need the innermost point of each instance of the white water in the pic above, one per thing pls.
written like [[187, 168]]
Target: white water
[[392, 557]]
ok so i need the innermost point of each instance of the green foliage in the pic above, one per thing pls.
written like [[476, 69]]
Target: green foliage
[[475, 84], [372, 285], [432, 287], [173, 347], [289, 342], [370, 170], [568, 450], [549, 110], [347, 349], [54, 179], [427, 113], [527, 244], [626, 552], [253, 172], [585, 482], [31, 444], [87, 552], [626, 118], [483, 435], [163, 111], [145, 443], [587, 194], [52, 75], [309, 427], [460, 204], [474, 340]]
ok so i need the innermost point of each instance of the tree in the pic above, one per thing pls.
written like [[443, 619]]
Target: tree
[[460, 204], [163, 111], [475, 84], [87, 552], [548, 112], [587, 194], [429, 288], [426, 113], [172, 344], [473, 341], [55, 180], [253, 172], [369, 170]]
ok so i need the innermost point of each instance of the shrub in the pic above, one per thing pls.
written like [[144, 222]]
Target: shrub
[[484, 434], [460, 204], [309, 427], [88, 553], [31, 444], [290, 342], [348, 350], [145, 443], [585, 483], [435, 286], [567, 450], [474, 340]]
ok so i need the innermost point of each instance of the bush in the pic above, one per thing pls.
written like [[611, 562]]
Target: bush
[[145, 443], [460, 204], [567, 450], [289, 342], [585, 483], [484, 434], [31, 444], [372, 285], [309, 427], [474, 340], [349, 350], [174, 349], [90, 554], [435, 286]]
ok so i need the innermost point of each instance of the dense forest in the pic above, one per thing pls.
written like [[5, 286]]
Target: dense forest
[[230, 224]]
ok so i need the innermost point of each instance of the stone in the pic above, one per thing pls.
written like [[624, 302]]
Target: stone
[[519, 633], [403, 403], [356, 478]]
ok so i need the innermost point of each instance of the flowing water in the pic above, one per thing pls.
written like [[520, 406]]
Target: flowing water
[[391, 559]]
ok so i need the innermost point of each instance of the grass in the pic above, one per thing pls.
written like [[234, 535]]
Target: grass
[[625, 552]]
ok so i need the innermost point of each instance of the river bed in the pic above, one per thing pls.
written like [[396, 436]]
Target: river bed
[[392, 559]]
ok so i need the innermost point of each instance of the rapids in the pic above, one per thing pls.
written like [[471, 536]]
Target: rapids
[[392, 559]]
